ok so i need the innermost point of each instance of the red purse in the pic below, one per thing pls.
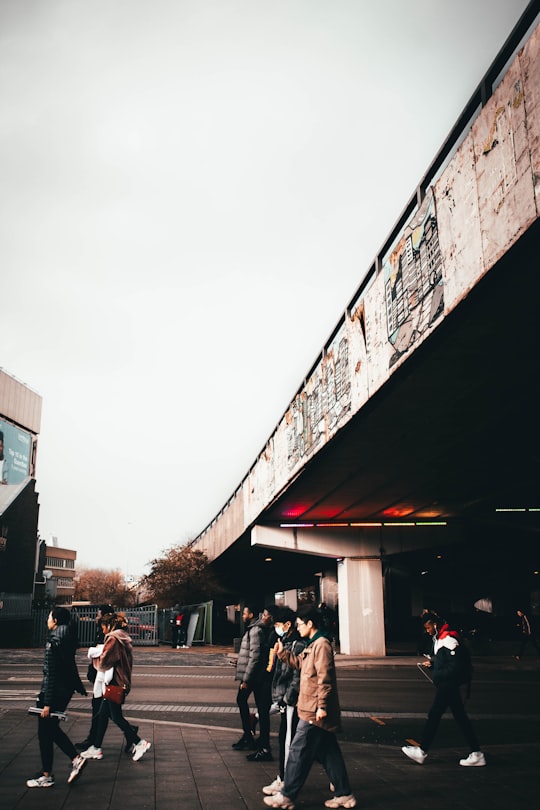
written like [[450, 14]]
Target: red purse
[[116, 694]]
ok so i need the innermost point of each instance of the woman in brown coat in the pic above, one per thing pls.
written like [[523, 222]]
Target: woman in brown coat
[[117, 655]]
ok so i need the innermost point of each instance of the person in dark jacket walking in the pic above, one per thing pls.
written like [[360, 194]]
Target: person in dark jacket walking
[[250, 667], [60, 680], [527, 635], [262, 690], [285, 687], [447, 678]]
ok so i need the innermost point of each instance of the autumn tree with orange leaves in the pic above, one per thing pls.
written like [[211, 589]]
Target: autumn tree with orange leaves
[[97, 585]]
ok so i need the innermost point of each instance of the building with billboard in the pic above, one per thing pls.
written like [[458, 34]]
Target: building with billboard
[[20, 419]]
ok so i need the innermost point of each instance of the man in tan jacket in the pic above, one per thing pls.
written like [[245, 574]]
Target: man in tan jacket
[[319, 716]]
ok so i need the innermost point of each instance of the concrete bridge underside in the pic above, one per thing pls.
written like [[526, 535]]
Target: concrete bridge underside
[[454, 430], [422, 406]]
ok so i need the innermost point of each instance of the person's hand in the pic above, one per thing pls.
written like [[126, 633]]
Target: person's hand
[[320, 714], [278, 646], [46, 711], [426, 664], [243, 685]]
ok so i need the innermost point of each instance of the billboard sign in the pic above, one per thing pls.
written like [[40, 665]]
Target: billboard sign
[[15, 453]]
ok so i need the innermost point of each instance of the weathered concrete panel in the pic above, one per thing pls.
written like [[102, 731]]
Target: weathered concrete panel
[[459, 224], [406, 301], [503, 168], [336, 389], [530, 69]]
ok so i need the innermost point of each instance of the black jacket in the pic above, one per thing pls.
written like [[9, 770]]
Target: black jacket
[[286, 682], [60, 675]]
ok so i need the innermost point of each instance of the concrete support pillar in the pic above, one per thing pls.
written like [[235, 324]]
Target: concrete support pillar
[[291, 599], [361, 607]]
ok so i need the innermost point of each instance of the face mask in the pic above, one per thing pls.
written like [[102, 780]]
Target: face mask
[[280, 631]]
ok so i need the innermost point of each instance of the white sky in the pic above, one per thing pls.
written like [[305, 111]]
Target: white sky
[[190, 194]]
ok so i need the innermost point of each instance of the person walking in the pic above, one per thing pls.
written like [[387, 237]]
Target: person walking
[[250, 665], [285, 687], [527, 635], [319, 716], [262, 689], [97, 695], [448, 675], [60, 680], [116, 662]]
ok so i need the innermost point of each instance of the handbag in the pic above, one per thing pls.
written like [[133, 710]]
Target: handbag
[[116, 694]]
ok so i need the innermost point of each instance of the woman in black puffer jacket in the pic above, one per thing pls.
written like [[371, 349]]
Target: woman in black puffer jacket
[[60, 680]]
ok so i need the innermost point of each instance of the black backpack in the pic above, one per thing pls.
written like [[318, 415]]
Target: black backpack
[[465, 667]]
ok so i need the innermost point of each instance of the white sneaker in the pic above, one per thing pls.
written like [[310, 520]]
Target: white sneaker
[[92, 753], [341, 801], [279, 800], [414, 752], [40, 781], [140, 749], [76, 767], [474, 760], [274, 788]]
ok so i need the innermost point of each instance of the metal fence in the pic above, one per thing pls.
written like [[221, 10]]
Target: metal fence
[[15, 605], [142, 624]]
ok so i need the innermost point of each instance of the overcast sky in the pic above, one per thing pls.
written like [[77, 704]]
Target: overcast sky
[[190, 195]]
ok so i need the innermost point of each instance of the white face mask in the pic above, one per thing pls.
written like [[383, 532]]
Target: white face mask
[[280, 631]]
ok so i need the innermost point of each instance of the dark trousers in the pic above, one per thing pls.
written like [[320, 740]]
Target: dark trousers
[[262, 692], [448, 696], [525, 641], [113, 711], [92, 734], [312, 743], [242, 699], [49, 733]]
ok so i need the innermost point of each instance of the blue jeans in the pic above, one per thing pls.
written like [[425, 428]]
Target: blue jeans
[[312, 743]]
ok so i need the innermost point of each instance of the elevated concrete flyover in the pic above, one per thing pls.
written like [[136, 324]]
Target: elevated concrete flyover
[[418, 421]]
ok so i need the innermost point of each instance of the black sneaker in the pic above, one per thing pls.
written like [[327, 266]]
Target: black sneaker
[[245, 743], [262, 755]]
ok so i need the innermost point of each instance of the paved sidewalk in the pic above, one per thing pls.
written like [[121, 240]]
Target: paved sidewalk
[[191, 766]]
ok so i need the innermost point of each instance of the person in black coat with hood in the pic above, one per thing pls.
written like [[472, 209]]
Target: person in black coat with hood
[[60, 680]]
